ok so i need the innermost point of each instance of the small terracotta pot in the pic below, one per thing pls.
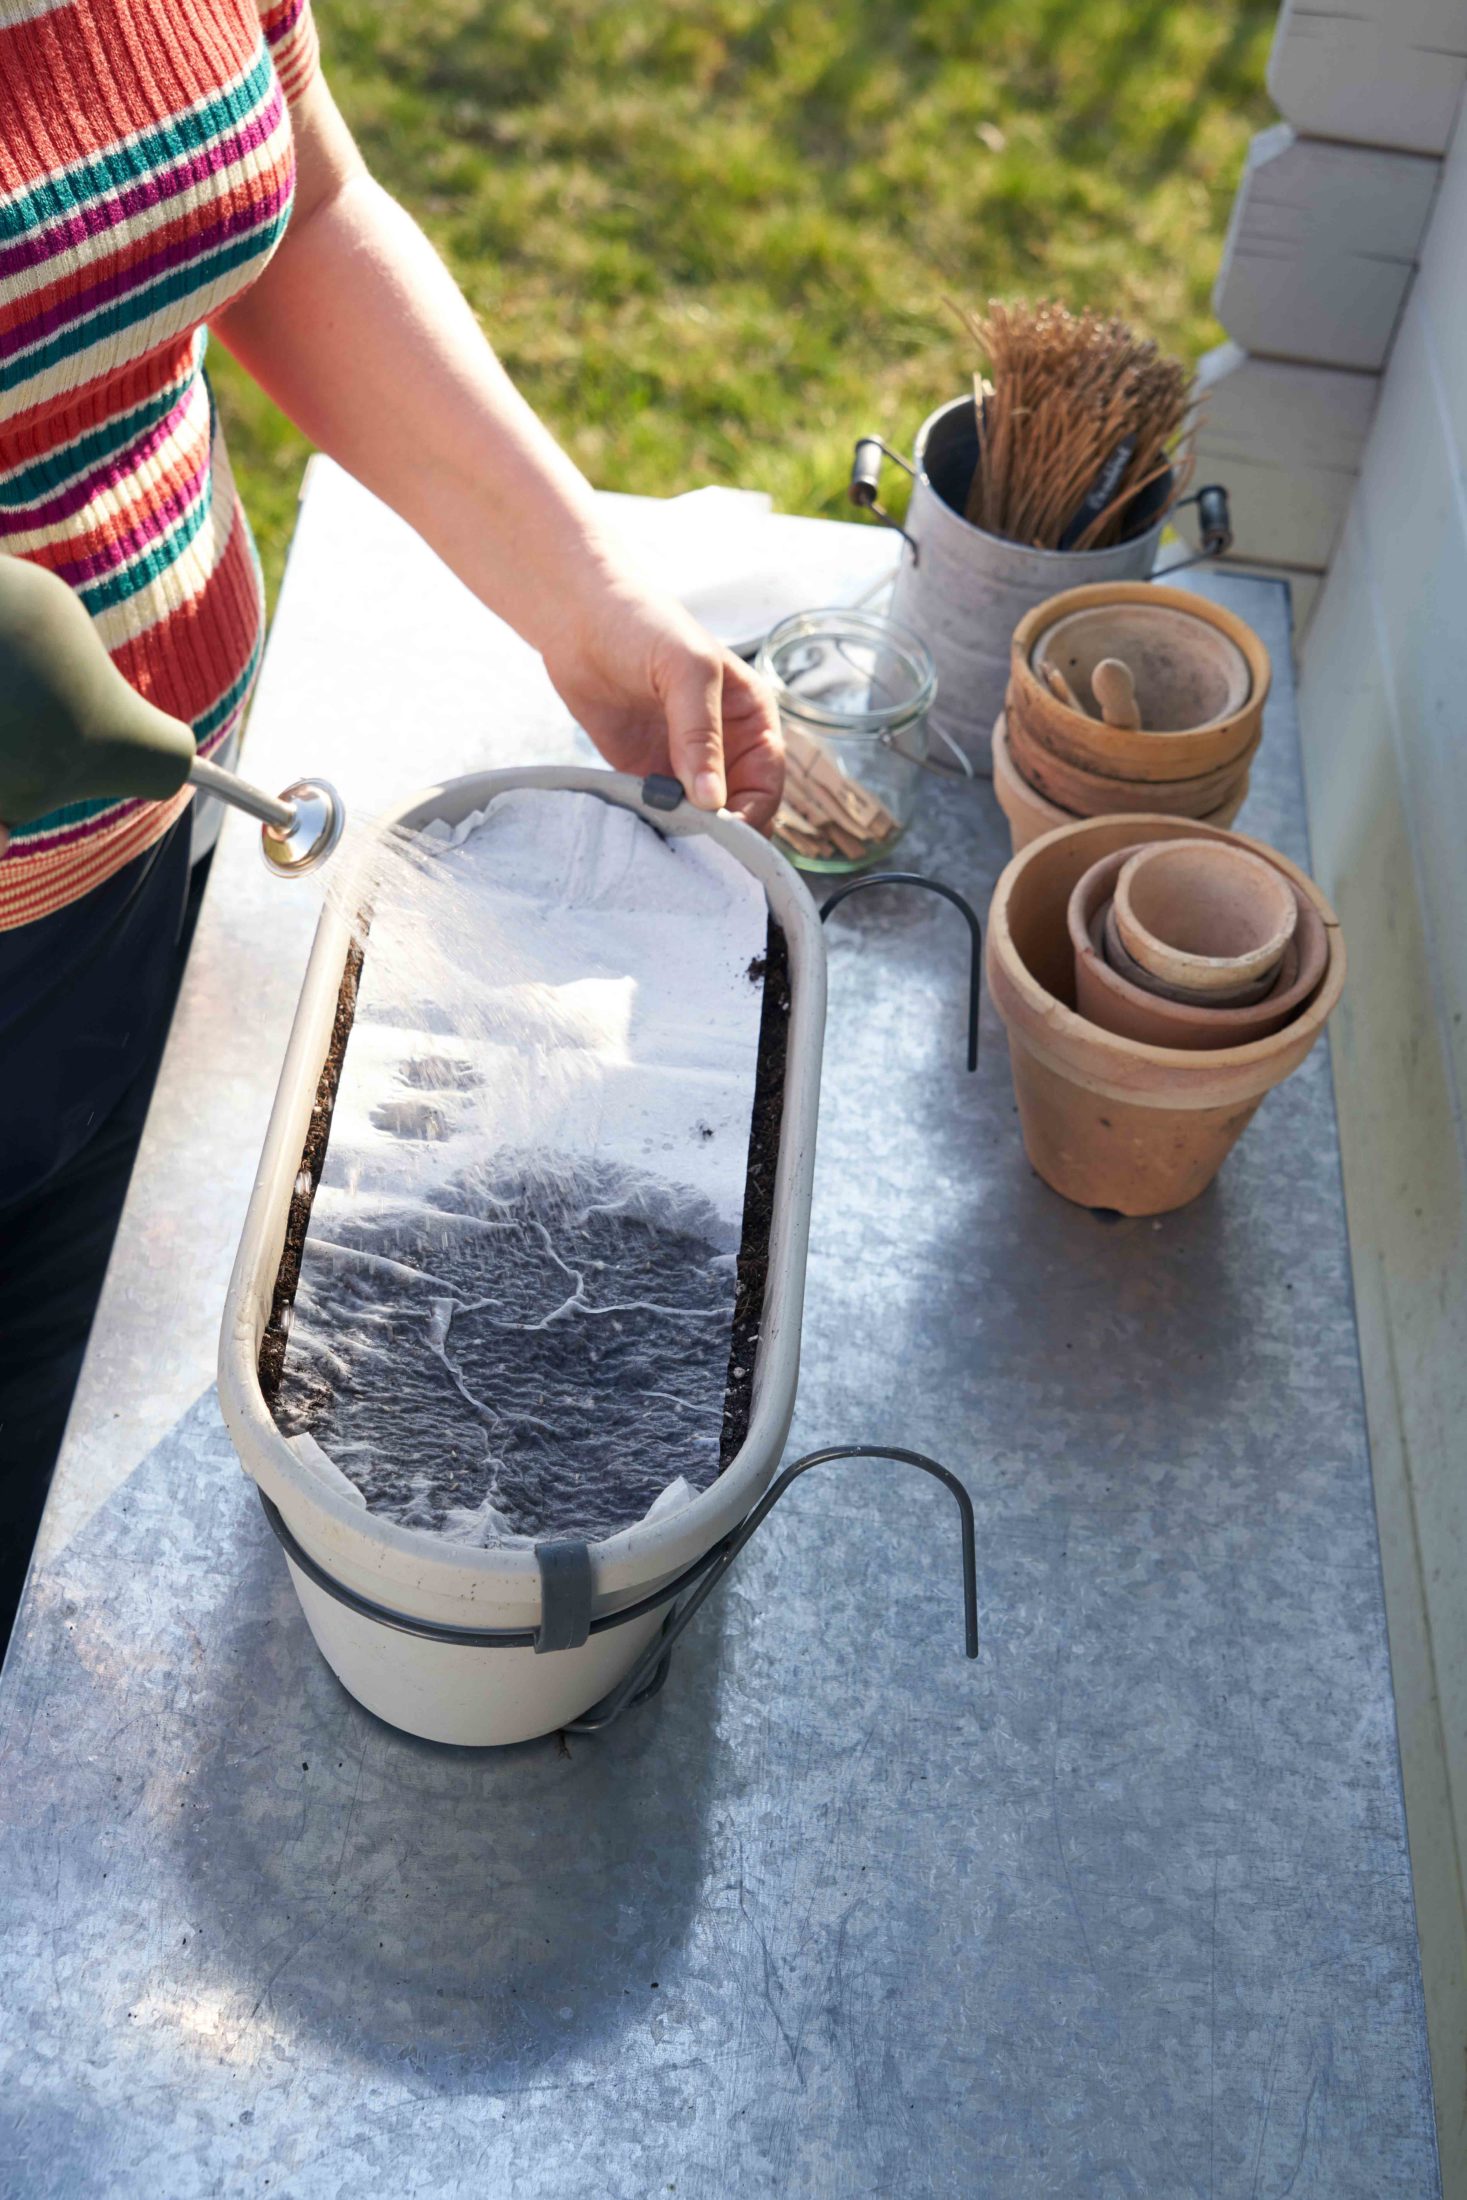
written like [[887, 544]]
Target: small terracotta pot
[[1205, 918], [1183, 671], [1108, 944], [1110, 1121], [1094, 794], [1031, 814], [1113, 619], [1108, 998]]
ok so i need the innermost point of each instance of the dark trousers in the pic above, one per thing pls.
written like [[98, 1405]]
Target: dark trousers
[[84, 1013]]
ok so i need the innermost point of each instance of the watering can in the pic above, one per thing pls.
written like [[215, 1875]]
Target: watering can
[[73, 730], [964, 591]]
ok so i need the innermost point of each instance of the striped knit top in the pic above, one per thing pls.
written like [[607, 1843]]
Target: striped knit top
[[146, 172]]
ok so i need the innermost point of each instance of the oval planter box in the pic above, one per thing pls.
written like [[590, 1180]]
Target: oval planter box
[[1107, 1121], [449, 1692], [1031, 814], [1114, 751]]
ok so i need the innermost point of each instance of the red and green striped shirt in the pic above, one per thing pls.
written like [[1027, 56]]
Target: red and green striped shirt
[[146, 172]]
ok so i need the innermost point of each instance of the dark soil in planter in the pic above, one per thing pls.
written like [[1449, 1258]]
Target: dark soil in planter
[[773, 971], [308, 1176], [533, 1335]]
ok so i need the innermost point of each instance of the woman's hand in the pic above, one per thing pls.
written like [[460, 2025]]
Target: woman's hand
[[656, 693]]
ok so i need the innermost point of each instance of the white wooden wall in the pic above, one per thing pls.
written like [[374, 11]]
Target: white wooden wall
[[1337, 415], [1383, 698], [1321, 253]]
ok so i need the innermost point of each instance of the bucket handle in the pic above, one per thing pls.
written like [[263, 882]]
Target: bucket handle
[[1214, 514], [1214, 528], [864, 489]]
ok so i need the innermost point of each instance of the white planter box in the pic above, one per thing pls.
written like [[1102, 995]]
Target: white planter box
[[447, 1691]]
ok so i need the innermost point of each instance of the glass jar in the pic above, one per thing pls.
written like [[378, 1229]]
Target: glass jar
[[854, 690]]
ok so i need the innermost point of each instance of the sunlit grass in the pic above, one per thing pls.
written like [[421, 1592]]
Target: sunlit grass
[[712, 238]]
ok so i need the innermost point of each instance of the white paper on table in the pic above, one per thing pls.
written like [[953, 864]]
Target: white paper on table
[[604, 1007], [557, 1021], [740, 567]]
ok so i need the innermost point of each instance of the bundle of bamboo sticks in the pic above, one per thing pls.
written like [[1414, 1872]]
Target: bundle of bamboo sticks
[[1076, 415]]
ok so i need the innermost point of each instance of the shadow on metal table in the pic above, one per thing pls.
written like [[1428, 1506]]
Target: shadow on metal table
[[1124, 1909]]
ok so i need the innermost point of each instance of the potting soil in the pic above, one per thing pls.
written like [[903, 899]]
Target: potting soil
[[517, 1281]]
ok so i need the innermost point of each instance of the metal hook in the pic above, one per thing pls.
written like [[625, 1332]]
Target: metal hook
[[702, 1577], [948, 893], [865, 483], [1214, 527], [644, 1681]]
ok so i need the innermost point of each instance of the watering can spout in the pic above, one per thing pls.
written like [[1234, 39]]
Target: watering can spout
[[73, 730]]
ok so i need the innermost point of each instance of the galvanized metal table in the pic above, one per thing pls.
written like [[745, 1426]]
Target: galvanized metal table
[[1123, 1909]]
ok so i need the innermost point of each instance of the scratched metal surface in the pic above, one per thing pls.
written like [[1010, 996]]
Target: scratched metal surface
[[1124, 1909]]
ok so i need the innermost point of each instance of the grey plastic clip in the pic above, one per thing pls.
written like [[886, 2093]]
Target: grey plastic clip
[[565, 1596], [661, 793]]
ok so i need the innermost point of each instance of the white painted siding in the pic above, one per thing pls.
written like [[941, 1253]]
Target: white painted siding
[[1320, 248], [1383, 700], [1287, 441], [1379, 72]]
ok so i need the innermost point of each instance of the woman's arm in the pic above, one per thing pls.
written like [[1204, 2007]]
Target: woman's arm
[[360, 334]]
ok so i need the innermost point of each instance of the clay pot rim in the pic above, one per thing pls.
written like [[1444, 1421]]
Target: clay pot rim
[[1075, 1031], [1098, 594], [1113, 954], [1254, 964], [1126, 790], [1294, 999], [1153, 598], [1005, 770], [1167, 753]]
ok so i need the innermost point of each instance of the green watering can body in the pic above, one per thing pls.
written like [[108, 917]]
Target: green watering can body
[[71, 728]]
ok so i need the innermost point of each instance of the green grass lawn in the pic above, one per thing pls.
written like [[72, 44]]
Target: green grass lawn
[[712, 238]]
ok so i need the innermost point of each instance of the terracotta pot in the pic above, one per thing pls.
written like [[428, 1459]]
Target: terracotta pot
[[1205, 918], [1115, 1002], [1114, 619], [1108, 997], [1031, 814], [1183, 671], [1094, 794], [1108, 944], [1110, 1121]]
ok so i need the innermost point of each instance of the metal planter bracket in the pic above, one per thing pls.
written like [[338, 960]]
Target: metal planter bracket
[[566, 1589], [948, 893], [650, 1671], [701, 1579]]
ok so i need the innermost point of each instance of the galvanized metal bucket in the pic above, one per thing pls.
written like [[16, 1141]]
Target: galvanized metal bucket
[[964, 591]]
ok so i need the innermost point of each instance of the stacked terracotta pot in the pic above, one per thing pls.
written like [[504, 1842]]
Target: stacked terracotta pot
[[1157, 977], [1125, 696]]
